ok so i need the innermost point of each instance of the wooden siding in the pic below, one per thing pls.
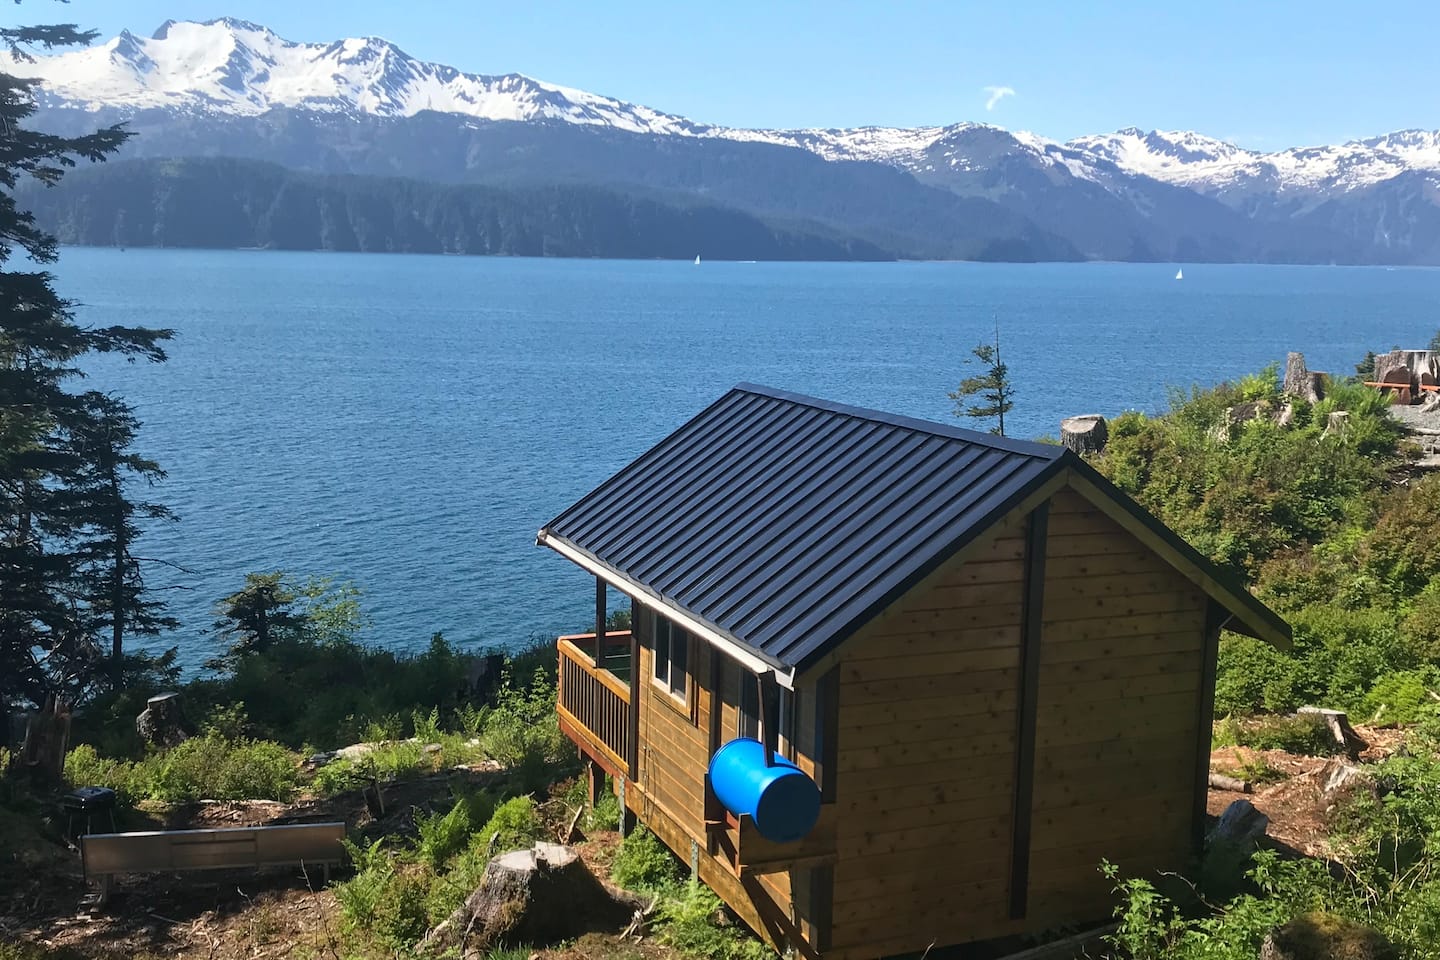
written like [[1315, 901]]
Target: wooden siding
[[927, 757], [674, 755], [1120, 678], [928, 727]]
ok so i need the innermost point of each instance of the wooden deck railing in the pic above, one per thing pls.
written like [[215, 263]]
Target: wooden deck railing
[[593, 702]]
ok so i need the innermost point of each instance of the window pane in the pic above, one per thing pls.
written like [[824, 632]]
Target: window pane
[[679, 657], [749, 704], [662, 647]]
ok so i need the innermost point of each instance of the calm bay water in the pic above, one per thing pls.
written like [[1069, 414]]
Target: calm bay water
[[409, 422]]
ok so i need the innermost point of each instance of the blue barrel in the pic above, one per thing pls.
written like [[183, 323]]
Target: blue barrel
[[781, 799]]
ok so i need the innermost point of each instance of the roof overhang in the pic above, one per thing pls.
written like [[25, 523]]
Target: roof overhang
[[737, 651]]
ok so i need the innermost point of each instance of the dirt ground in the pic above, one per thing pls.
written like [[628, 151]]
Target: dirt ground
[[1297, 806], [242, 915], [230, 914]]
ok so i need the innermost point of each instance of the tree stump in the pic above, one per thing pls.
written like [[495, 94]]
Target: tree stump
[[1299, 382], [1345, 736], [162, 722], [47, 736], [538, 896], [1324, 936], [1084, 434], [1336, 423]]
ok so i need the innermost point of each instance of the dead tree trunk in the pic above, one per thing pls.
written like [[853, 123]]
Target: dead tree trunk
[[1345, 736], [537, 896], [1299, 381], [46, 738], [1086, 434], [162, 722]]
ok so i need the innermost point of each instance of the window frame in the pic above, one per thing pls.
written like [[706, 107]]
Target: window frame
[[663, 634]]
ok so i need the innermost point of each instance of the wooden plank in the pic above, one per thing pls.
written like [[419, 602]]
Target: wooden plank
[[954, 662], [987, 856], [1089, 545], [896, 711], [925, 771], [1027, 709], [589, 742], [930, 728], [1066, 590], [1104, 628], [1126, 713], [1120, 606], [1128, 688], [861, 692], [1143, 747], [945, 897], [1091, 671], [936, 642], [1165, 814], [1116, 728], [964, 597], [1134, 561], [961, 786], [954, 826], [937, 751], [828, 734], [1071, 788]]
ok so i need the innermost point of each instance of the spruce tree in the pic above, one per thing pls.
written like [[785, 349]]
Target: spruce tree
[[992, 387], [57, 530]]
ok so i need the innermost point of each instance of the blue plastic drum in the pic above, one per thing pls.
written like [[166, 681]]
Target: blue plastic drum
[[781, 799]]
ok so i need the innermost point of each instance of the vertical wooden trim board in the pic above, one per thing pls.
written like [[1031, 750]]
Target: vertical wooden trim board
[[636, 686], [1216, 616], [601, 615], [827, 733], [1027, 708]]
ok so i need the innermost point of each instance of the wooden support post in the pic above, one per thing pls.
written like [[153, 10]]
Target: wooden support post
[[601, 615], [624, 809], [1027, 708], [1216, 617], [694, 860], [594, 782]]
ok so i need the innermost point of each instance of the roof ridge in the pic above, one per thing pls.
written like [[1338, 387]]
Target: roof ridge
[[1043, 451]]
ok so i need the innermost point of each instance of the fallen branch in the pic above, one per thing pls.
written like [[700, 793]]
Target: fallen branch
[[1221, 782]]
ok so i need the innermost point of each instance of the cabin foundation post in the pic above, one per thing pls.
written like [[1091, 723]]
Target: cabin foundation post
[[624, 810], [694, 860], [594, 782]]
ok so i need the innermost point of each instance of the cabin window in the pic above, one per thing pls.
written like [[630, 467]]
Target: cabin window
[[748, 714], [672, 655]]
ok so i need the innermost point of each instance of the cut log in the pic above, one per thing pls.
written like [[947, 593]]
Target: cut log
[[1240, 823], [1221, 782], [1345, 736], [1299, 382], [162, 722], [538, 896], [1084, 434]]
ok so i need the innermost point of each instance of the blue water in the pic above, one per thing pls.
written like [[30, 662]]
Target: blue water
[[409, 422]]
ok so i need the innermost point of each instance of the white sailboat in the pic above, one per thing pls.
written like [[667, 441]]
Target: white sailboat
[[1180, 274], [697, 259]]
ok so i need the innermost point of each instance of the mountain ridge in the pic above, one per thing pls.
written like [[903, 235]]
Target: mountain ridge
[[363, 106]]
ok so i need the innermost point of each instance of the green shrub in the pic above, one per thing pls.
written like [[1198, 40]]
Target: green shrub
[[212, 768], [441, 836], [644, 863], [84, 767], [1403, 696], [513, 825], [692, 921], [1303, 733]]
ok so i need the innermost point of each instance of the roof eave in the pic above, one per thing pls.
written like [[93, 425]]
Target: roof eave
[[737, 650]]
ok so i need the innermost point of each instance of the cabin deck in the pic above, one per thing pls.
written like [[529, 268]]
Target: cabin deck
[[594, 700]]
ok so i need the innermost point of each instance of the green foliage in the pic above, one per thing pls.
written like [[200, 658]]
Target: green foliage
[[644, 863], [384, 897], [442, 836], [1404, 697], [993, 387], [514, 825], [1304, 733], [209, 767], [72, 582], [692, 921]]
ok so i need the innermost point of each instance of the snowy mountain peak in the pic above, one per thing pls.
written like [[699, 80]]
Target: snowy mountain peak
[[229, 66]]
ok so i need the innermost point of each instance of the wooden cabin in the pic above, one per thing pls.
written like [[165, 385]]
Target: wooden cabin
[[994, 665]]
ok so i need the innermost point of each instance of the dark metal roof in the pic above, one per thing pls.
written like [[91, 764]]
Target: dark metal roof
[[786, 522]]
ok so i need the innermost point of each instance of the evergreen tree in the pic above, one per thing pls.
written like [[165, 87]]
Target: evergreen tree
[[259, 613], [992, 387], [52, 527]]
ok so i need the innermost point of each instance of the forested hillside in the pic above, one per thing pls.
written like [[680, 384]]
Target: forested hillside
[[214, 202]]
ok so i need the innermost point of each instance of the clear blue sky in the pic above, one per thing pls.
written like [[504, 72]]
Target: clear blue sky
[[1263, 73]]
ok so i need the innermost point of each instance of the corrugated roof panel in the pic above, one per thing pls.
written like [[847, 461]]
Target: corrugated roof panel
[[784, 522]]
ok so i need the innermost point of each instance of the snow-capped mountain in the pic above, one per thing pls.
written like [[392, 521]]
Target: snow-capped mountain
[[1218, 168], [230, 88], [233, 67]]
